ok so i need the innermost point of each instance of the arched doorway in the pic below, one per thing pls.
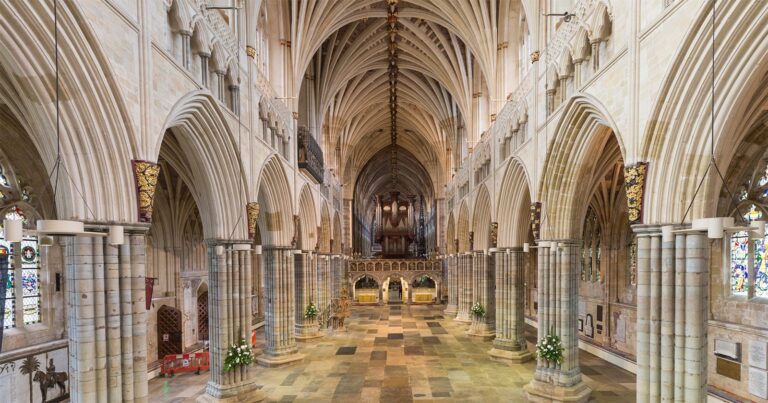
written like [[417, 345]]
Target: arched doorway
[[366, 290], [395, 290], [424, 289], [168, 331]]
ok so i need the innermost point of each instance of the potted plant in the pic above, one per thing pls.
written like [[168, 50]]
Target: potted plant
[[550, 348], [478, 310], [311, 311], [238, 355]]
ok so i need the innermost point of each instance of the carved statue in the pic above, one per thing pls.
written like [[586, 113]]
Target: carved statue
[[340, 309]]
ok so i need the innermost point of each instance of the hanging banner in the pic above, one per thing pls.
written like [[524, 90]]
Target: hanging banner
[[149, 285]]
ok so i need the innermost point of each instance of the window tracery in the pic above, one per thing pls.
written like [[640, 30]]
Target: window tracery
[[748, 271], [23, 260]]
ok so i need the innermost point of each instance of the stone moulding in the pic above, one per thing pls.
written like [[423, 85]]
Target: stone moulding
[[634, 184], [145, 174]]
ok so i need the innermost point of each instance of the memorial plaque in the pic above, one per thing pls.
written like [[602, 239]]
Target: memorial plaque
[[728, 368], [758, 382], [758, 350], [621, 329], [729, 349], [589, 329], [599, 313]]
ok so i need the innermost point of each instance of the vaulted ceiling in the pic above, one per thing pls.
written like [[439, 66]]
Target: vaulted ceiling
[[449, 59]]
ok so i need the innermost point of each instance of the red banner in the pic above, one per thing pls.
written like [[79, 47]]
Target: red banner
[[149, 285]]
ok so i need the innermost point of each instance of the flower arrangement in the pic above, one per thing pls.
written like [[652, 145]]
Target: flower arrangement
[[550, 348], [478, 310], [311, 311], [237, 356]]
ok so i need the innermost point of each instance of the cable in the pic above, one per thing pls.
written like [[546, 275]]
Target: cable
[[712, 159]]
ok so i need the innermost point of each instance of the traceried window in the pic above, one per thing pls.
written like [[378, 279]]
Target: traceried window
[[590, 251], [748, 271], [20, 300], [27, 292]]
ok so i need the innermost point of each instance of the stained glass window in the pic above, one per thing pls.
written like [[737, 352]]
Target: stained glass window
[[748, 257], [30, 280], [9, 298]]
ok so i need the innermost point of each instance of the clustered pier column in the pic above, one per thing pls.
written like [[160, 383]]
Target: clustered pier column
[[452, 308], [229, 315], [306, 287], [559, 267], [324, 280], [509, 344], [107, 319], [483, 274], [464, 265], [672, 301], [281, 347]]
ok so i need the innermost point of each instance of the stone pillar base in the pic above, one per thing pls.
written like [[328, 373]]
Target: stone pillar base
[[271, 361], [462, 317], [544, 392], [450, 311], [307, 332], [510, 357], [249, 392], [481, 330]]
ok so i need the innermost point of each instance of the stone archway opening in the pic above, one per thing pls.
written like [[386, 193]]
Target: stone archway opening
[[366, 290]]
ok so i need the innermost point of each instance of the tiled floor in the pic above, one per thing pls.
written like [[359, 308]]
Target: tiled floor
[[401, 354]]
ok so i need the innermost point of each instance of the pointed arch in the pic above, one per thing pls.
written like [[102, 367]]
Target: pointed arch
[[462, 228], [276, 205], [481, 219], [307, 219], [450, 235], [95, 121], [677, 139], [574, 152], [514, 206], [203, 152]]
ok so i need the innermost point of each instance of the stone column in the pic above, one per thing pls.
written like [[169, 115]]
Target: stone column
[[464, 287], [559, 269], [452, 309], [220, 83], [306, 287], [673, 285], [323, 284], [229, 316], [281, 347], [107, 319], [483, 274], [509, 344], [204, 68], [186, 49], [409, 301]]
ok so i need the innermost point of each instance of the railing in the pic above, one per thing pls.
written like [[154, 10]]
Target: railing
[[324, 318], [310, 154], [374, 265]]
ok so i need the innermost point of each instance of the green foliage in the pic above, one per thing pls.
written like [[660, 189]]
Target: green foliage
[[478, 310], [238, 355], [311, 311], [550, 348]]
